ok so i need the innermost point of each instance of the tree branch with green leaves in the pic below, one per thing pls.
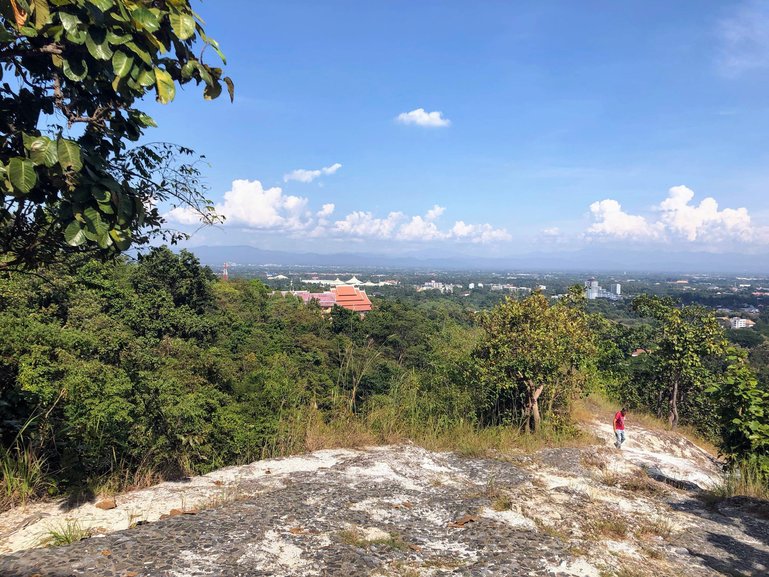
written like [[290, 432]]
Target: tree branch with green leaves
[[86, 63]]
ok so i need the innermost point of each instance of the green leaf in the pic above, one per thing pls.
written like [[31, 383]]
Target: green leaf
[[188, 69], [215, 45], [94, 223], [117, 39], [125, 209], [183, 25], [143, 54], [146, 120], [165, 86], [212, 91], [69, 21], [75, 70], [73, 234], [146, 78], [122, 63], [22, 174], [41, 150], [230, 87], [42, 13], [96, 42], [76, 36], [106, 208], [104, 240], [69, 154], [100, 195], [103, 5], [146, 19], [121, 239]]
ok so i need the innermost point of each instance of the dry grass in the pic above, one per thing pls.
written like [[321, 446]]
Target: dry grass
[[503, 502], [594, 460], [346, 432], [744, 480], [609, 526], [22, 476], [642, 483], [550, 530], [654, 528], [381, 427]]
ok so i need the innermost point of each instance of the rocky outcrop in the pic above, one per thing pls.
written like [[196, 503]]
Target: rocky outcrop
[[405, 511]]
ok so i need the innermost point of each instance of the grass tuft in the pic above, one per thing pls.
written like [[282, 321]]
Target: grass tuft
[[742, 480], [65, 534], [23, 476]]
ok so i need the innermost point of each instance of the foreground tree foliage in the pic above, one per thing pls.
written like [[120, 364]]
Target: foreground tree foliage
[[71, 179], [688, 354], [533, 350], [126, 371], [123, 373]]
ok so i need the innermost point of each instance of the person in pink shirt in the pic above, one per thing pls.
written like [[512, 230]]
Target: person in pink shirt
[[619, 427]]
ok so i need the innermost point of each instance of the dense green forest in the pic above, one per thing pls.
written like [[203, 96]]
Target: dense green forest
[[117, 374]]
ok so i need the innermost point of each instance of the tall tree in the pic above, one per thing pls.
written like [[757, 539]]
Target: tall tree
[[532, 348], [686, 351], [743, 410], [82, 186]]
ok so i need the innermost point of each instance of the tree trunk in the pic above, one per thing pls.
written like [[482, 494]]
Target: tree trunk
[[673, 416], [534, 403]]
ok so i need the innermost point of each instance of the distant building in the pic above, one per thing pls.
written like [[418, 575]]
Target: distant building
[[595, 291], [739, 323], [345, 296], [352, 281]]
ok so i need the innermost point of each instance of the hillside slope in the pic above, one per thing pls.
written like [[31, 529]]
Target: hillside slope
[[402, 510]]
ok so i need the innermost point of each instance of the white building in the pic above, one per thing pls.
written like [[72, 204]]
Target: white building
[[739, 323], [595, 291]]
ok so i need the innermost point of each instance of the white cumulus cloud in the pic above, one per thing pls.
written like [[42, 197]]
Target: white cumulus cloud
[[703, 221], [435, 212], [478, 233], [612, 221], [326, 210], [304, 175], [183, 215], [419, 228], [250, 205], [365, 224], [677, 219], [420, 117]]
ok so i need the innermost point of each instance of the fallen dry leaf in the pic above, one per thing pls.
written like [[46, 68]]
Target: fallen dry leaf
[[463, 520]]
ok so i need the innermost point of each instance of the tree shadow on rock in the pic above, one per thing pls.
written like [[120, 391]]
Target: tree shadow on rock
[[733, 537]]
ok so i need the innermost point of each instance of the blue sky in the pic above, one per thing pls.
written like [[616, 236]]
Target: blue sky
[[485, 127]]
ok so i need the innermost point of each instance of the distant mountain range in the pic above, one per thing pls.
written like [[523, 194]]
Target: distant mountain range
[[589, 259]]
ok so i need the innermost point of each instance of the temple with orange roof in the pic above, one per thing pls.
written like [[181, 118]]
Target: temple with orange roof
[[345, 296]]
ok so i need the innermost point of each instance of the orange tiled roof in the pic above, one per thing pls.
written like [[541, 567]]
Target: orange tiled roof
[[351, 298]]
